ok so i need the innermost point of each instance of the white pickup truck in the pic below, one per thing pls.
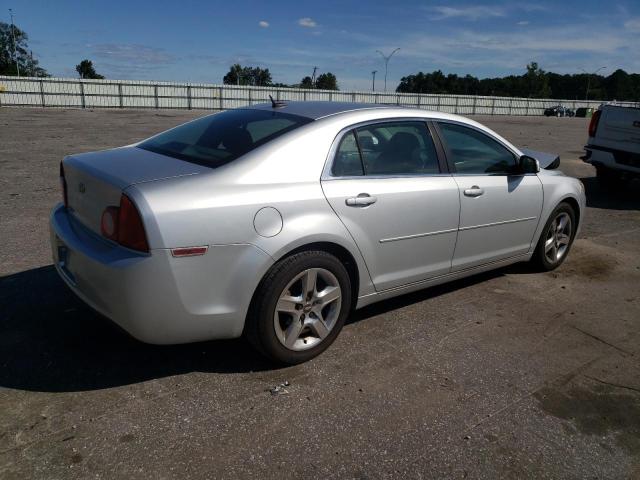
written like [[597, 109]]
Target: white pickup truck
[[614, 144]]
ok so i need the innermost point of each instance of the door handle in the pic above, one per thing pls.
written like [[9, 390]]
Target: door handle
[[362, 200], [474, 191]]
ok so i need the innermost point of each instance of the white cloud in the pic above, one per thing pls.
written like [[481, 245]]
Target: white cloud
[[307, 22], [523, 22], [131, 53], [633, 24], [263, 24], [471, 12]]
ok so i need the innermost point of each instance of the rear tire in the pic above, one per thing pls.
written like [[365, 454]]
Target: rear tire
[[556, 238], [299, 307]]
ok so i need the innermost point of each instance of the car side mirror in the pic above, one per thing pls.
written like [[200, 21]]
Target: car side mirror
[[528, 164]]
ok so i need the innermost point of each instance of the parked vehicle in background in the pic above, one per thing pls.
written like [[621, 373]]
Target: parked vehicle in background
[[559, 111], [584, 112], [277, 220], [614, 144]]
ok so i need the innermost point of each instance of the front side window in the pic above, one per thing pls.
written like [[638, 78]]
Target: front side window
[[221, 138], [473, 152]]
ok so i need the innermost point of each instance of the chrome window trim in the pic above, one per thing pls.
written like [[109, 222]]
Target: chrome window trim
[[326, 171]]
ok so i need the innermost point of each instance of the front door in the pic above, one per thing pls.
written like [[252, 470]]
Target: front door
[[499, 208], [387, 188]]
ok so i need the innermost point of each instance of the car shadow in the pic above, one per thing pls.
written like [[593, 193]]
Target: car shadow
[[51, 342], [624, 198]]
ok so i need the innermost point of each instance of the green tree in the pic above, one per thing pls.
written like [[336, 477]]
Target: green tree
[[327, 81], [85, 70], [239, 75], [537, 81], [306, 82], [26, 63]]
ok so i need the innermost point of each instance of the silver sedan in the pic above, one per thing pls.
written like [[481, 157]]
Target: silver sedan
[[278, 220]]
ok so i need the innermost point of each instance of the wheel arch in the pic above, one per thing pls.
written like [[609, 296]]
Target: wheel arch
[[573, 203], [338, 251]]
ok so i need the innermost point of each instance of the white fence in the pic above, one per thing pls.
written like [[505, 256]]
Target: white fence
[[77, 93]]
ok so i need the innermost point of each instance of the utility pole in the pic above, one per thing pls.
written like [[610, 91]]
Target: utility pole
[[586, 97], [313, 77], [374, 79], [386, 64], [13, 34]]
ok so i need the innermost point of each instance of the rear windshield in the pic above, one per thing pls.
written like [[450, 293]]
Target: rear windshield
[[218, 139]]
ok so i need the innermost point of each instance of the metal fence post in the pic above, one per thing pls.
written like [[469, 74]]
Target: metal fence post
[[419, 101], [220, 92], [475, 101], [438, 105], [526, 112], [455, 109], [42, 94], [189, 97], [511, 106], [120, 95], [493, 106], [82, 100], [155, 96]]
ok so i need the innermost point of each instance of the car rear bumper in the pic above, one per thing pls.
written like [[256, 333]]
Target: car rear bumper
[[155, 297], [612, 158]]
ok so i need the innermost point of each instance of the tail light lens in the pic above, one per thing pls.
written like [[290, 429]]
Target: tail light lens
[[63, 186], [124, 225], [593, 125]]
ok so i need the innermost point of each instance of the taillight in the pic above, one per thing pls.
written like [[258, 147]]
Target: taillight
[[123, 224], [593, 125], [131, 232], [63, 185]]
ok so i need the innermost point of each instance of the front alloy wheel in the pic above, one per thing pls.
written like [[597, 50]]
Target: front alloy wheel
[[556, 239]]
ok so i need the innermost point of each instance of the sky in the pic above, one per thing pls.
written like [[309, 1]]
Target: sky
[[197, 41]]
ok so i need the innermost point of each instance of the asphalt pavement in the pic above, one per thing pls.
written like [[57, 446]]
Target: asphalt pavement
[[508, 374]]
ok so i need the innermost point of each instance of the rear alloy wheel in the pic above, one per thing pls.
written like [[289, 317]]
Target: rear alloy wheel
[[300, 307], [556, 239]]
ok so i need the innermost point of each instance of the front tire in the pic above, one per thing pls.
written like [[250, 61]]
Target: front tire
[[299, 307], [556, 238]]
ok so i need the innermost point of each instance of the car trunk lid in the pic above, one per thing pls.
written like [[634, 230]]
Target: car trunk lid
[[96, 180]]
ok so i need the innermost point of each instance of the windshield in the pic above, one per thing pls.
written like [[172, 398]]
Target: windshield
[[218, 139]]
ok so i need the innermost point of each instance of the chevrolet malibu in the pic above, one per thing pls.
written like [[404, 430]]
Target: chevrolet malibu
[[276, 221]]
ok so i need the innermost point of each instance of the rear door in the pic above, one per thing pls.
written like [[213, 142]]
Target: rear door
[[499, 208], [386, 184]]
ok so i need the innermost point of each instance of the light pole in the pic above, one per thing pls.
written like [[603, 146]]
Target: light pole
[[13, 35], [374, 79], [586, 97], [386, 64]]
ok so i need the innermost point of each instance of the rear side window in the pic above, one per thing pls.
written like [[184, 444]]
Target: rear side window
[[393, 148], [218, 139], [399, 148], [474, 152], [347, 162]]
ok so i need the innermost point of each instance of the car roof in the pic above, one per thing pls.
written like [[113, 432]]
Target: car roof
[[316, 110]]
